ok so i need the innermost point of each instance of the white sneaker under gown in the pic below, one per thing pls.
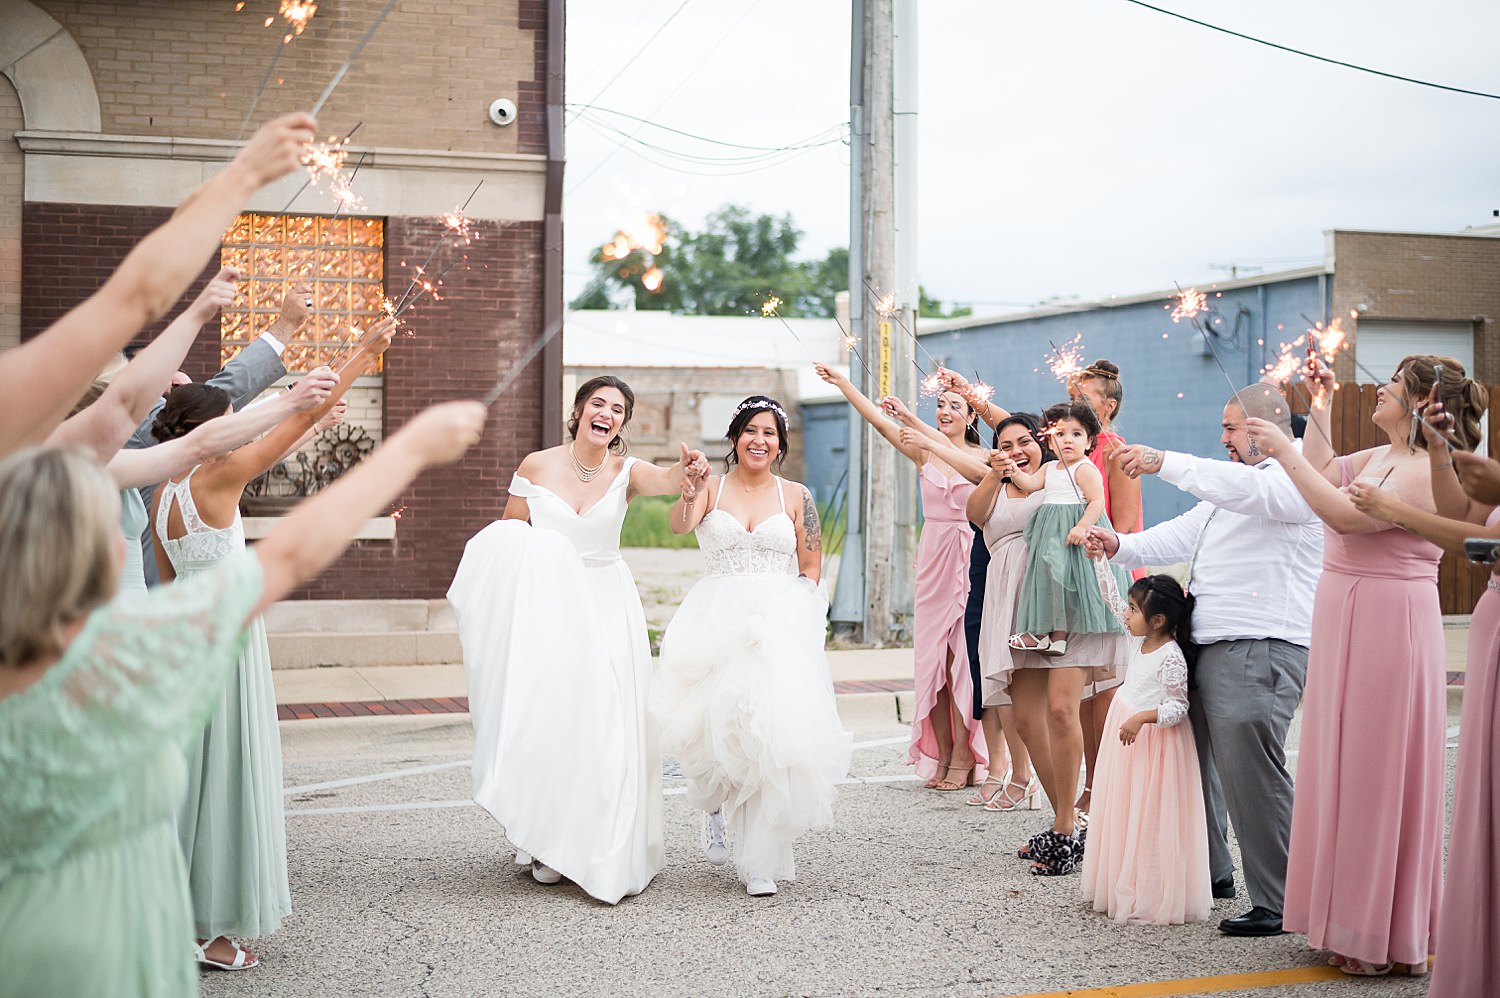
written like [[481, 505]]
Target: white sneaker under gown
[[558, 665], [744, 699]]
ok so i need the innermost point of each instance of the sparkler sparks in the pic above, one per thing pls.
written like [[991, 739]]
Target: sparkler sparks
[[769, 307], [1189, 304], [982, 392], [397, 513], [885, 305], [1067, 360], [933, 385], [646, 235]]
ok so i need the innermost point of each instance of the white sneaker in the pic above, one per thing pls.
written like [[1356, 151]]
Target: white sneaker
[[544, 874], [760, 887], [523, 858], [716, 849]]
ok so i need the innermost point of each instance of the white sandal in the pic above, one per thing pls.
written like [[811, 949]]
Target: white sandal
[[243, 959]]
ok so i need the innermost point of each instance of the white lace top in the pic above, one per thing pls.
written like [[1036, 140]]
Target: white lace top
[[1157, 678], [730, 549], [202, 546]]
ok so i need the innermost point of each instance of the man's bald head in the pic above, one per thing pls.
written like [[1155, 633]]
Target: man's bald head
[[1263, 402]]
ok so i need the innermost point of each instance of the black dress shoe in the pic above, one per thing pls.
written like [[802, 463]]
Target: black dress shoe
[[1255, 922], [1224, 889]]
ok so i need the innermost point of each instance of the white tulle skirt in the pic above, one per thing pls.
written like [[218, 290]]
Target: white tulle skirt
[[744, 703]]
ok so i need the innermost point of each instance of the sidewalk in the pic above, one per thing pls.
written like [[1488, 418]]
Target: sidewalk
[[382, 690]]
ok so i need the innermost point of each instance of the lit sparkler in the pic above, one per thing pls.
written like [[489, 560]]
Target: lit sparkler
[[1189, 304], [647, 235], [769, 307], [851, 343], [1067, 360], [397, 513], [982, 392], [457, 229], [933, 385], [324, 161]]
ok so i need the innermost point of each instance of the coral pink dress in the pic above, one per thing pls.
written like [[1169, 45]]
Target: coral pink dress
[[941, 592], [1103, 679], [1364, 873], [1468, 952]]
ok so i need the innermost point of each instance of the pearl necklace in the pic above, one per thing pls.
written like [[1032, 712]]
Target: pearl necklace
[[585, 474]]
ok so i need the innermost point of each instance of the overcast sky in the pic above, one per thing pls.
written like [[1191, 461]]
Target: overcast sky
[[1068, 147]]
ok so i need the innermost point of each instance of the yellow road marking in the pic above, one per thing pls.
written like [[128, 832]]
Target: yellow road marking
[[1203, 985]]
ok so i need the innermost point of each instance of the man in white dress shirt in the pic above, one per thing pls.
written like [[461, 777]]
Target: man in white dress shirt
[[1254, 550]]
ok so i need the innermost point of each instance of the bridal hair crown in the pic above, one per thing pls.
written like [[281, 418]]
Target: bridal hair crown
[[759, 404]]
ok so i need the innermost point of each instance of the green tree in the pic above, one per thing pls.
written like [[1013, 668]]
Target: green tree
[[729, 268], [932, 308]]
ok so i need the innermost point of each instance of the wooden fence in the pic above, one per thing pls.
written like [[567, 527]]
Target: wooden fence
[[1460, 584]]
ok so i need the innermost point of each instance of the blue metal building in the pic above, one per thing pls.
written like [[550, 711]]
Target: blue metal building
[[1174, 391]]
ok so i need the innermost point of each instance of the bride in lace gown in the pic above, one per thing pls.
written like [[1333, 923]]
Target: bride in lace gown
[[744, 699], [558, 661]]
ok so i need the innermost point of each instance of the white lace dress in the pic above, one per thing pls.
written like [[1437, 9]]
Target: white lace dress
[[744, 699], [558, 665], [231, 825]]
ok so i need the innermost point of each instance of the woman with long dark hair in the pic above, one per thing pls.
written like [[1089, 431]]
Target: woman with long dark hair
[[556, 655], [744, 698]]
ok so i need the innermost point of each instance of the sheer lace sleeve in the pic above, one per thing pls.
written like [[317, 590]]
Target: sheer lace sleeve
[[1110, 590], [1173, 676], [142, 675]]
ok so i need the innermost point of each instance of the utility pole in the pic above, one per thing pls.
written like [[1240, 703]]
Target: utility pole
[[873, 600]]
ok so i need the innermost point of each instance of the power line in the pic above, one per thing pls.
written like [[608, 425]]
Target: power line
[[701, 138], [802, 146], [636, 55], [772, 163], [662, 103], [1313, 55]]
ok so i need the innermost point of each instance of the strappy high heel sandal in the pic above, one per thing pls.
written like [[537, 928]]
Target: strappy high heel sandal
[[948, 784], [1030, 796], [980, 800]]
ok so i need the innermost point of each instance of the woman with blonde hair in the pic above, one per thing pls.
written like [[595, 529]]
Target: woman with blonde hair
[[100, 694]]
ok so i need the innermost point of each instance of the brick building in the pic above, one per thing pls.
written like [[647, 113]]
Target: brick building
[[110, 113]]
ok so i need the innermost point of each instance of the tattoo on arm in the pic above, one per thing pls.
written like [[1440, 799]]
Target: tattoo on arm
[[812, 530]]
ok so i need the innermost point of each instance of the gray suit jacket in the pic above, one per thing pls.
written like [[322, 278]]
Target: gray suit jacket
[[252, 371]]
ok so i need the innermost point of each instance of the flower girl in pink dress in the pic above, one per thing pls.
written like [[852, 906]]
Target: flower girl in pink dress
[[1146, 860]]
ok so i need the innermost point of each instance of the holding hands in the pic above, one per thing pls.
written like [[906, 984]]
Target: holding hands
[[1101, 543], [694, 472]]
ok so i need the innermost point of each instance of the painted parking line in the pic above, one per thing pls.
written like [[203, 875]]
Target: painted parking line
[[1203, 985]]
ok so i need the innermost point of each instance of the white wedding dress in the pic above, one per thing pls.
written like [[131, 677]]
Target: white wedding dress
[[558, 666], [744, 699]]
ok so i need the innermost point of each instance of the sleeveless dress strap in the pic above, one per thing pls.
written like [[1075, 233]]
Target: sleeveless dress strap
[[182, 494], [723, 479], [780, 496]]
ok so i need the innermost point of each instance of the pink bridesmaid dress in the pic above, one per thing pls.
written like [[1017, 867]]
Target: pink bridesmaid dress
[[1364, 873], [941, 592], [1468, 951]]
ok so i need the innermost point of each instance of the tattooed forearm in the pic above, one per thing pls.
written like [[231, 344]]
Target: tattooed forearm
[[812, 530]]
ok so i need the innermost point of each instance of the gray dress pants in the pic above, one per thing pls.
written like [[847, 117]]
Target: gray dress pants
[[1246, 694]]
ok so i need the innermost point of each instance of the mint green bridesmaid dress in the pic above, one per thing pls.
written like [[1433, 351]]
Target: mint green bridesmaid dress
[[93, 891]]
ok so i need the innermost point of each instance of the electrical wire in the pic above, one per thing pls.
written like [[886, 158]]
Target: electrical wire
[[703, 138], [636, 55], [708, 54], [784, 158], [1313, 55], [728, 160]]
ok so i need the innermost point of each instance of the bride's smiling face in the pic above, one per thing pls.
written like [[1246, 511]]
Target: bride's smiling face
[[758, 443], [602, 417]]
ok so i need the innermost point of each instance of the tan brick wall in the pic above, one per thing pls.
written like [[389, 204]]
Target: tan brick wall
[[191, 67], [668, 400], [12, 187], [1422, 278]]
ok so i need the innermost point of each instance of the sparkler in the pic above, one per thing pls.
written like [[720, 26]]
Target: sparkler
[[851, 344], [324, 161], [344, 190], [886, 308], [297, 15], [457, 227], [522, 361], [358, 48], [1067, 360], [1191, 304]]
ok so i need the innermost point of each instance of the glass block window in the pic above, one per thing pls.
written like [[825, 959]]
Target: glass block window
[[342, 258]]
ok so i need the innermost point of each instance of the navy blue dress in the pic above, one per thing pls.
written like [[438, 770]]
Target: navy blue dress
[[979, 565]]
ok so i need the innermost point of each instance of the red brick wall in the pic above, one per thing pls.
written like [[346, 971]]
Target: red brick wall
[[457, 347], [1422, 278]]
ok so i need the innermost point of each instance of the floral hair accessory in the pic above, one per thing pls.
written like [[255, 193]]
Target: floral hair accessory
[[759, 404]]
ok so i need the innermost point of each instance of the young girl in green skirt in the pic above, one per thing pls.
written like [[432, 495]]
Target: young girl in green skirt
[[1060, 596]]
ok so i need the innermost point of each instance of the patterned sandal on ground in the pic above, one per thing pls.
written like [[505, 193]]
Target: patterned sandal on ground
[[1054, 855], [1026, 851]]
